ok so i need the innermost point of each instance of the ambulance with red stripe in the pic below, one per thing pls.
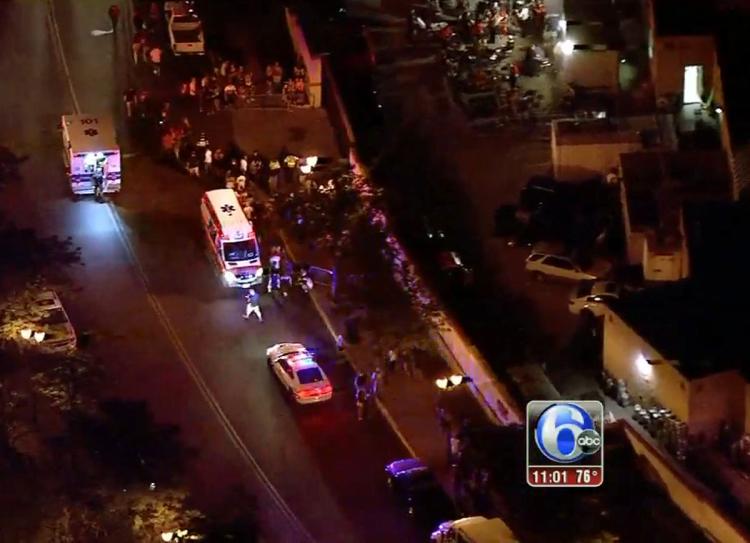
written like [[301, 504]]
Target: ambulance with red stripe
[[231, 239]]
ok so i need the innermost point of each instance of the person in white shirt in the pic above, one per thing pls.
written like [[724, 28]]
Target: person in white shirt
[[207, 160], [243, 165], [241, 183]]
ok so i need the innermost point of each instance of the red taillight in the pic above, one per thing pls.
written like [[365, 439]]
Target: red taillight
[[319, 391]]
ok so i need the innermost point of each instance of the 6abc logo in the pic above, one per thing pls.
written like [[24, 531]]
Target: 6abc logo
[[565, 432]]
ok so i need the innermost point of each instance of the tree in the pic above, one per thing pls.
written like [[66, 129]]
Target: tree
[[19, 310], [68, 380], [28, 256], [12, 425], [159, 511], [338, 217]]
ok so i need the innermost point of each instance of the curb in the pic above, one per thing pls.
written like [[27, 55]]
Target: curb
[[314, 296]]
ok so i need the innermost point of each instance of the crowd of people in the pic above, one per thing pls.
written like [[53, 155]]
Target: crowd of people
[[480, 49]]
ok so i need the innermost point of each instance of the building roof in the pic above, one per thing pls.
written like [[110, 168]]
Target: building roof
[[603, 131], [659, 181], [701, 325], [717, 233], [683, 17], [590, 11], [592, 35], [731, 36]]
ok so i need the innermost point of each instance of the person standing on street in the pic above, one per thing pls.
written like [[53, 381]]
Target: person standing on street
[[390, 361], [375, 377], [252, 305], [361, 401], [155, 58], [114, 16], [207, 161]]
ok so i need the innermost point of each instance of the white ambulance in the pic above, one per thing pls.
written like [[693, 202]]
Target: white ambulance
[[231, 239], [89, 144]]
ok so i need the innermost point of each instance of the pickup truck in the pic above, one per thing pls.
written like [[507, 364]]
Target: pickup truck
[[185, 30]]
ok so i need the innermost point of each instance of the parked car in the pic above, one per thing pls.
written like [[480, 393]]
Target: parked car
[[545, 261], [59, 334], [419, 491], [445, 253], [299, 374], [590, 297]]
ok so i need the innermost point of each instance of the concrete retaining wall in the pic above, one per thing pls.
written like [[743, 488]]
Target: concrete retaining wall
[[689, 495]]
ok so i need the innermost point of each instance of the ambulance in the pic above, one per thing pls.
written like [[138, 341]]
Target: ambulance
[[90, 144], [231, 239]]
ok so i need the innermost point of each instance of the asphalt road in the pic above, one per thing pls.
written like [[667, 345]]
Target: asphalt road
[[169, 333]]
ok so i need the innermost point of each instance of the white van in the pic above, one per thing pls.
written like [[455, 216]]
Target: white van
[[474, 530], [90, 143], [231, 239]]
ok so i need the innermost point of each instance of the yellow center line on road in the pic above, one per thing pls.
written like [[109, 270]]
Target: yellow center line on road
[[170, 331]]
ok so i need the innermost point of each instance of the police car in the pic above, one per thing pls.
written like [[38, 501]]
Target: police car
[[298, 372]]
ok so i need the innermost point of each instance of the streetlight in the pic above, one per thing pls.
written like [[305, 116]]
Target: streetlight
[[445, 383], [177, 535], [567, 47]]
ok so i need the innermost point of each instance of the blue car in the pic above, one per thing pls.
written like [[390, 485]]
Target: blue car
[[419, 491]]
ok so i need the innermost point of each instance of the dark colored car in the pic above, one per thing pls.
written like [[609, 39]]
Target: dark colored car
[[445, 253], [420, 492]]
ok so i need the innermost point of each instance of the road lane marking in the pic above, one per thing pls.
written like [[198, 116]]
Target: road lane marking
[[332, 330], [172, 335], [200, 383], [55, 30]]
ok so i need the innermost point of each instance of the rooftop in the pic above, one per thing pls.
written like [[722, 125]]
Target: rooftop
[[603, 131], [593, 35], [657, 181], [700, 324], [682, 17], [715, 232], [590, 11], [730, 37]]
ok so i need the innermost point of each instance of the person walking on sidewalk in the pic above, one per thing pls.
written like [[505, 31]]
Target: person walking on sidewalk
[[446, 424], [252, 305], [137, 47], [114, 15], [129, 99]]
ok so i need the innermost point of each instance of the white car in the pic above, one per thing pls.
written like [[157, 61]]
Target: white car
[[59, 334], [298, 372], [592, 296], [185, 31], [544, 262]]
